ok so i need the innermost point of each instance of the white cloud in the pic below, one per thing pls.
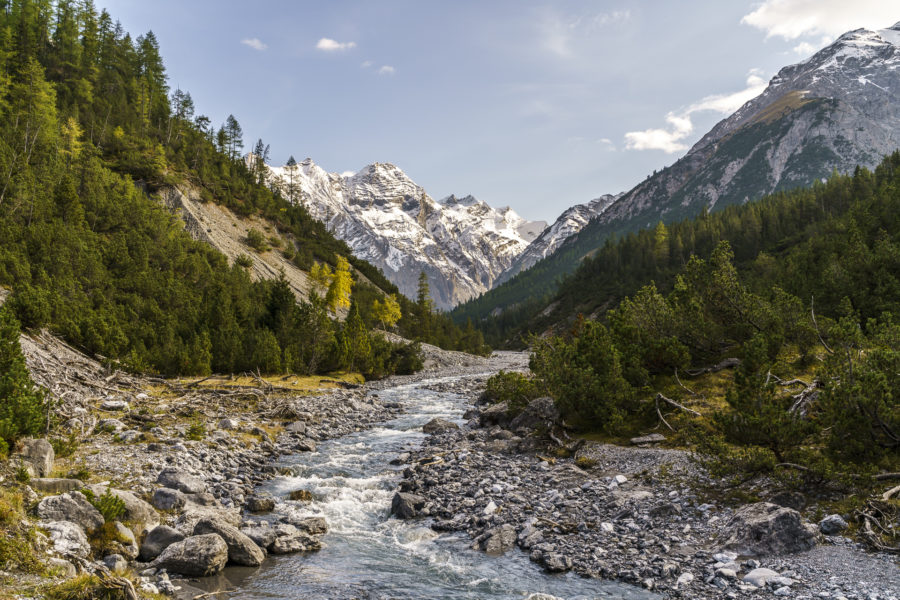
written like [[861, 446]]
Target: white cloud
[[792, 19], [559, 32], [330, 45], [671, 139], [348, 173], [254, 43], [387, 70], [804, 49], [365, 64]]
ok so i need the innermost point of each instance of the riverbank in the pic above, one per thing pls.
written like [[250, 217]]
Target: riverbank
[[629, 514]]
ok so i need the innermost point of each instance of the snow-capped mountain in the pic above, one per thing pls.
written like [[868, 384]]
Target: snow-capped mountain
[[570, 222], [838, 109], [462, 244]]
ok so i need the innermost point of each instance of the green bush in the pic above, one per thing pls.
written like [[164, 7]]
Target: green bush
[[109, 505], [23, 407], [514, 388], [196, 432], [257, 241]]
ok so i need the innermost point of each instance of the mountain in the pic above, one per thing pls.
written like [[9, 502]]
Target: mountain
[[570, 222], [836, 110], [462, 244]]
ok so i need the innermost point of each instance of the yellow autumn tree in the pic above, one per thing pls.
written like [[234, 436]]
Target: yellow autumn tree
[[338, 294], [321, 275], [387, 312]]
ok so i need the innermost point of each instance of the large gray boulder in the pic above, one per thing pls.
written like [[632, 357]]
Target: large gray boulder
[[289, 539], [258, 503], [55, 485], [37, 456], [499, 539], [764, 528], [180, 480], [833, 525], [71, 506], [495, 414], [438, 425], [138, 514], [241, 549], [262, 535], [168, 499], [68, 538], [312, 525], [539, 414], [406, 505], [157, 540], [196, 556]]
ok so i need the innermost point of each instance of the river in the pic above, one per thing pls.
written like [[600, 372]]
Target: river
[[368, 554]]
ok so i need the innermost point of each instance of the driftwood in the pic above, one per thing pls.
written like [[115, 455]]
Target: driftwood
[[727, 363]]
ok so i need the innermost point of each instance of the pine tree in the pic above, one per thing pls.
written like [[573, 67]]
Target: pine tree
[[22, 405]]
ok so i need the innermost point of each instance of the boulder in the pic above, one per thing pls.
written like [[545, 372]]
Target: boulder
[[125, 543], [168, 499], [298, 427], [194, 513], [71, 506], [499, 539], [54, 485], [37, 455], [139, 514], [300, 495], [312, 525], [763, 528], [495, 414], [68, 538], [241, 549], [115, 405], [262, 535], [289, 539], [196, 556], [406, 505], [116, 563], [557, 563], [181, 481], [438, 426], [62, 568], [228, 424], [111, 425], [832, 525], [305, 445], [258, 504], [540, 413], [760, 577], [157, 540]]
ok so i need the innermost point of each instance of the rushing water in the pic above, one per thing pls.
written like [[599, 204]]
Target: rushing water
[[367, 554]]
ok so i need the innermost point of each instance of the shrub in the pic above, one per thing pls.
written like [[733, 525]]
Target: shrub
[[65, 447], [243, 261], [515, 389], [22, 405], [256, 240], [109, 505], [196, 432]]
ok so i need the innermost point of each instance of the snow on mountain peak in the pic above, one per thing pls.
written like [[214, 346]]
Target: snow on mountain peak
[[462, 244]]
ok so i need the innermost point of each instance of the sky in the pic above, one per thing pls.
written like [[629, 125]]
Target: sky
[[536, 105]]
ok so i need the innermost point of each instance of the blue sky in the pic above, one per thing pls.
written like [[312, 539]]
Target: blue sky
[[536, 105]]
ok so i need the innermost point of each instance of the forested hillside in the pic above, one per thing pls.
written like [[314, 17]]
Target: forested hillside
[[89, 129]]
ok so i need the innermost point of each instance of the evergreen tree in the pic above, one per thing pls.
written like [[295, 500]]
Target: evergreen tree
[[22, 405]]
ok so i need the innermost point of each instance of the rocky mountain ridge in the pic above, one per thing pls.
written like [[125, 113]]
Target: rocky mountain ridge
[[462, 244]]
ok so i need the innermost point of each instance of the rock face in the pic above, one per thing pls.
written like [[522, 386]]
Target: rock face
[[38, 456], [181, 481], [763, 528], [439, 425], [406, 506], [157, 540], [71, 506], [68, 538], [196, 556], [241, 549], [461, 244]]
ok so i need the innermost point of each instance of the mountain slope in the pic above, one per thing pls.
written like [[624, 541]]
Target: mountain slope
[[570, 222], [462, 244], [834, 111]]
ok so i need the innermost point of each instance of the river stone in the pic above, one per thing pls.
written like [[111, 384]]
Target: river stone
[[68, 538], [312, 525], [241, 549], [406, 506], [541, 596], [158, 539], [196, 556], [300, 495], [305, 445], [258, 504], [139, 514], [495, 414], [54, 485], [289, 539], [181, 481], [832, 525], [539, 413], [557, 563], [438, 425], [500, 539], [37, 455], [71, 506], [167, 499], [763, 528], [262, 535], [760, 577]]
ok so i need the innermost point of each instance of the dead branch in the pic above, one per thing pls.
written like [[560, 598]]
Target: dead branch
[[659, 396], [687, 389], [812, 311]]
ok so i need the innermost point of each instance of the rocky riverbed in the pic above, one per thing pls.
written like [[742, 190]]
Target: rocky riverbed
[[625, 513]]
